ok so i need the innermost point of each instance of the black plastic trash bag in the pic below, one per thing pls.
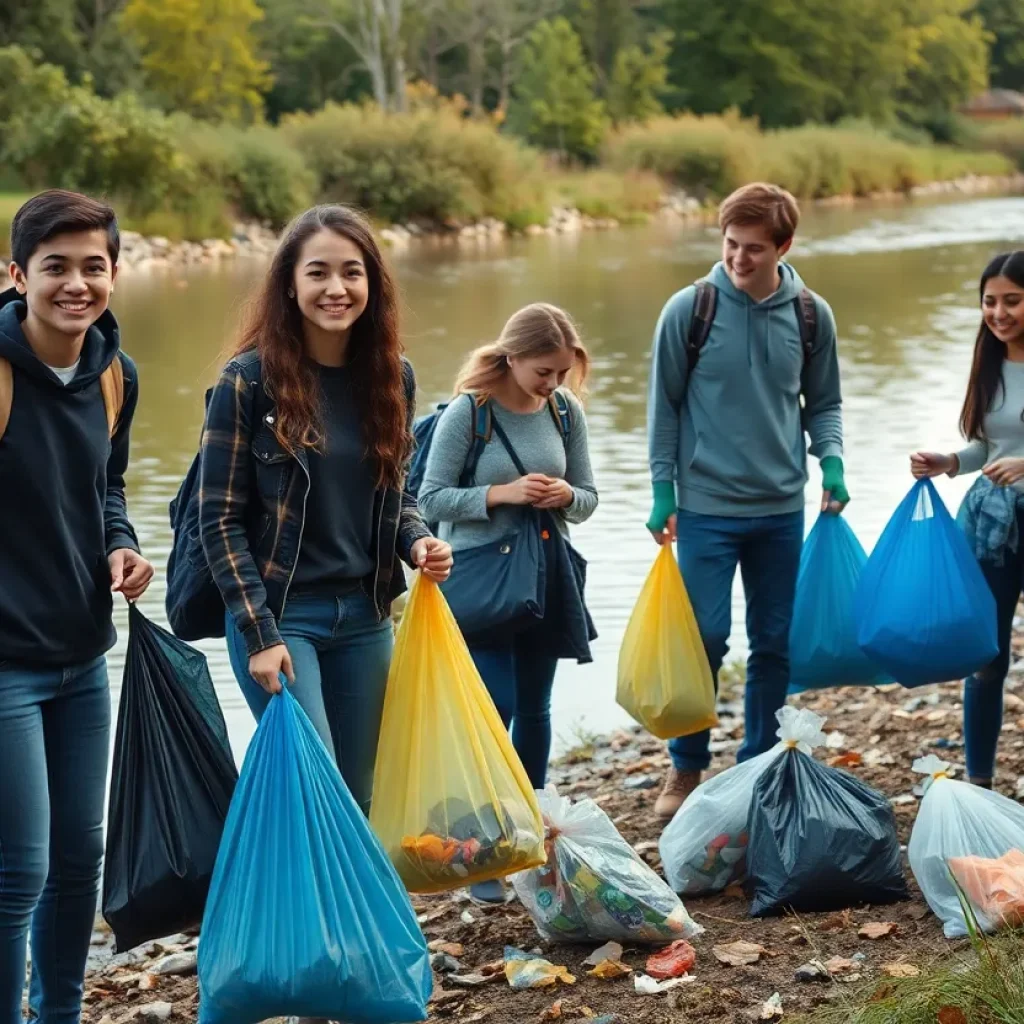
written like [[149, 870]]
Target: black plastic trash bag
[[173, 777], [819, 839]]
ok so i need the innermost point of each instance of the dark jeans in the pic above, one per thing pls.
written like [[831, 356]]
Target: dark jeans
[[519, 680], [767, 550], [341, 656], [983, 692], [54, 746]]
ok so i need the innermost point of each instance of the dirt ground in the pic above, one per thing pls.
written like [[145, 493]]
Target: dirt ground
[[889, 728]]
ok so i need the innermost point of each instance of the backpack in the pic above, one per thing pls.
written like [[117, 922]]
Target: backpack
[[423, 436], [111, 385], [706, 302]]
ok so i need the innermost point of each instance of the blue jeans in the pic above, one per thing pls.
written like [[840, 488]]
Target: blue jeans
[[519, 680], [54, 746], [983, 692], [767, 550], [341, 655]]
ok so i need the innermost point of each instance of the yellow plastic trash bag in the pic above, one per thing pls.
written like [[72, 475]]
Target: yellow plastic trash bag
[[452, 803], [664, 678]]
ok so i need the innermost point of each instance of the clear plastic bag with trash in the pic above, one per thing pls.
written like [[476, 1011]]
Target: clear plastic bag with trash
[[594, 885], [704, 847], [967, 845]]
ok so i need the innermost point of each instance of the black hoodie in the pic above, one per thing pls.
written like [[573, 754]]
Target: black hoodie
[[62, 505]]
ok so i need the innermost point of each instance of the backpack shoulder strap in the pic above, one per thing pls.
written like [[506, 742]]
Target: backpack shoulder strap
[[112, 389], [6, 394], [483, 422], [704, 304], [560, 409], [807, 317]]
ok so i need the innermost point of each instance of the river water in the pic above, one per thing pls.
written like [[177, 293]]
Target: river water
[[901, 279]]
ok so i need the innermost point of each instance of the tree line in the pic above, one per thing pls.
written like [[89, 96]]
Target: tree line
[[558, 71]]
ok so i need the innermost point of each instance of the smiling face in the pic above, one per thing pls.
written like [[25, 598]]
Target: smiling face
[[538, 376], [330, 283], [67, 282], [751, 259], [1002, 305]]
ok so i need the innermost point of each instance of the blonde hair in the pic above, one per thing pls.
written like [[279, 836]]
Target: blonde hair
[[535, 330]]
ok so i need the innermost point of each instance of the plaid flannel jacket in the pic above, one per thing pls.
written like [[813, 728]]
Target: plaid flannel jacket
[[252, 507]]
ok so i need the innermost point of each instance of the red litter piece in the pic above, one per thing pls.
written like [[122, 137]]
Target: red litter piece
[[673, 961]]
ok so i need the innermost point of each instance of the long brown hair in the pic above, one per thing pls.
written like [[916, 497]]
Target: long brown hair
[[535, 330], [273, 327], [989, 353]]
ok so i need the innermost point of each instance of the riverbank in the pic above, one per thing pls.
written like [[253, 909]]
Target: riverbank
[[876, 734], [253, 240]]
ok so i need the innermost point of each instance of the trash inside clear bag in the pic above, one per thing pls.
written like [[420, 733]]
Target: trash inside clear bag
[[306, 916], [452, 803], [664, 680], [704, 847], [594, 885], [968, 843]]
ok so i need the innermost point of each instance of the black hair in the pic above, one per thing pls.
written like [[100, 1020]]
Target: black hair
[[989, 352], [59, 212]]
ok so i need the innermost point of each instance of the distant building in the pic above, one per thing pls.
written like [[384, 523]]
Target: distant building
[[995, 105]]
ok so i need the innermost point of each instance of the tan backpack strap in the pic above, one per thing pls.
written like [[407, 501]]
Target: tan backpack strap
[[112, 387], [6, 394]]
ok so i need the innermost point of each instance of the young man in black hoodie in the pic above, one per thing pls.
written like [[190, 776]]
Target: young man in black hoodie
[[67, 397]]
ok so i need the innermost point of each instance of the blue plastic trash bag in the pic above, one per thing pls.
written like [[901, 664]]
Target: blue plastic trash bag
[[924, 611], [823, 649], [306, 916]]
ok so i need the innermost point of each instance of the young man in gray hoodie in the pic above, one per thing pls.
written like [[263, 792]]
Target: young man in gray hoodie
[[732, 396]]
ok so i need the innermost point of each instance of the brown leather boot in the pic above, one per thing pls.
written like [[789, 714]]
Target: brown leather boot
[[678, 786]]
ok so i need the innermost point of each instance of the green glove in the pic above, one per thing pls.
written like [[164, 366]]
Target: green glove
[[664, 505], [832, 480]]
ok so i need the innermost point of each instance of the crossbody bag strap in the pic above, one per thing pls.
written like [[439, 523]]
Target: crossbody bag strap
[[503, 438]]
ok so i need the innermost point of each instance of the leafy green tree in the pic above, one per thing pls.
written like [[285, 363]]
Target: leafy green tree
[[947, 60], [310, 64], [1004, 19], [199, 56], [605, 27], [553, 102], [46, 27], [790, 61], [639, 80]]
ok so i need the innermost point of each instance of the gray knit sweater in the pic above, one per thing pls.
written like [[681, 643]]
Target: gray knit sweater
[[465, 519]]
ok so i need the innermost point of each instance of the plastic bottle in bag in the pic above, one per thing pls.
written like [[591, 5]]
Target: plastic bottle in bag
[[820, 839], [594, 885], [967, 844], [704, 847], [664, 679]]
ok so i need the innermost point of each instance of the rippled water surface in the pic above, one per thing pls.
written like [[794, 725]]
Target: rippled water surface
[[901, 280]]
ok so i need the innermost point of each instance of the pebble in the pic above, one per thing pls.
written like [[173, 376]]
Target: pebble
[[903, 799], [445, 964], [177, 965], [640, 782], [813, 971], [944, 743], [1020, 788], [155, 1011]]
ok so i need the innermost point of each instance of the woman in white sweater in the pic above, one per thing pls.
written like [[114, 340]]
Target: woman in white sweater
[[992, 514]]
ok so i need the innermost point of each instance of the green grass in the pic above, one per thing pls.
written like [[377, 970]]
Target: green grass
[[981, 984]]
